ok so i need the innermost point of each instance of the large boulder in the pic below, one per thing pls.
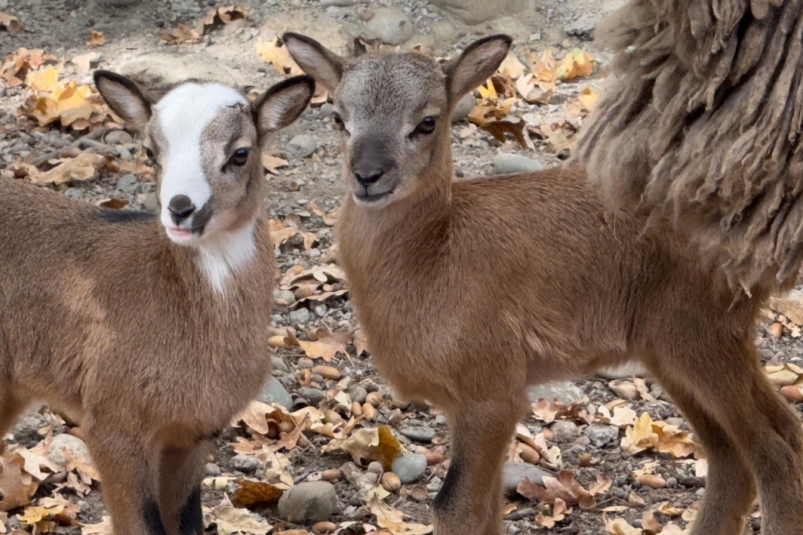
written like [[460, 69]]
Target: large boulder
[[165, 68], [478, 11]]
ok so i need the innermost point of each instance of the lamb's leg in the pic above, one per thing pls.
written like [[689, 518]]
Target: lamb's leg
[[180, 474], [11, 405]]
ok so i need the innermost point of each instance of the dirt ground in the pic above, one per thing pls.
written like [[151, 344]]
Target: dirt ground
[[308, 187]]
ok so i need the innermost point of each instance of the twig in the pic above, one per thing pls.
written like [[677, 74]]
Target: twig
[[91, 136]]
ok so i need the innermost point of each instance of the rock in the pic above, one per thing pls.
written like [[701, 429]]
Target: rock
[[513, 163], [245, 463], [565, 430], [420, 433], [338, 3], [312, 395], [300, 315], [463, 108], [515, 473], [357, 394], [275, 392], [566, 392], [74, 193], [118, 137], [623, 371], [287, 296], [390, 25], [583, 27], [163, 68], [303, 145], [624, 389], [308, 503], [279, 365], [601, 435], [409, 467], [151, 203], [212, 470], [74, 445], [478, 11], [127, 183], [790, 305]]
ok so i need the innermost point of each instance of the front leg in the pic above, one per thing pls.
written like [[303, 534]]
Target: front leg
[[180, 475], [469, 503]]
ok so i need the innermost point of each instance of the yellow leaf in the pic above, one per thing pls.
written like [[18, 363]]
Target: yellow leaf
[[511, 67], [278, 56], [367, 445], [83, 167], [487, 90], [393, 520], [96, 38], [588, 98], [576, 63], [43, 79], [33, 515], [250, 492]]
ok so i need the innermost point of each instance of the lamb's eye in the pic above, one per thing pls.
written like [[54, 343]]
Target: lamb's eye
[[338, 121], [426, 126], [149, 154], [239, 158]]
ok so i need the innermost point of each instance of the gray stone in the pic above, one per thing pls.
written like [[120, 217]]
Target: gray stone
[[211, 469], [74, 193], [409, 467], [300, 315], [118, 137], [463, 108], [601, 435], [624, 389], [566, 392], [390, 25], [565, 430], [623, 371], [151, 203], [358, 394], [287, 296], [312, 395], [515, 473], [308, 503], [275, 392], [245, 463], [338, 3], [170, 68], [583, 27], [514, 163], [479, 11], [435, 485], [127, 183], [303, 145], [420, 433], [279, 365], [74, 445]]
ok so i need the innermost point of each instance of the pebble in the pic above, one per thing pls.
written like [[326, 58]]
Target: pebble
[[435, 484], [74, 445], [278, 364], [357, 394], [74, 193], [515, 473], [514, 163], [409, 467], [151, 203], [127, 183], [323, 527], [300, 315], [624, 389], [601, 435], [390, 25], [420, 433], [275, 392], [212, 470], [463, 108], [320, 311], [565, 430], [287, 296], [118, 137], [327, 372], [302, 145], [308, 503], [245, 463], [312, 395], [566, 392]]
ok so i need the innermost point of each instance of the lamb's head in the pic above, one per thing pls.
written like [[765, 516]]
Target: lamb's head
[[205, 140], [394, 111]]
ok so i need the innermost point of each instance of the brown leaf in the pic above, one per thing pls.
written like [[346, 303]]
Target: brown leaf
[[268, 420], [84, 167], [272, 163], [251, 492], [218, 17], [83, 63], [180, 34], [96, 38], [327, 346], [498, 129], [392, 519], [280, 234], [564, 488], [511, 67], [231, 520], [10, 23], [328, 219], [113, 204], [367, 445], [16, 487], [576, 63], [274, 52]]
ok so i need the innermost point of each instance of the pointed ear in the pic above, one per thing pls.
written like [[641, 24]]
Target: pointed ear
[[124, 97], [282, 104], [314, 59], [476, 64]]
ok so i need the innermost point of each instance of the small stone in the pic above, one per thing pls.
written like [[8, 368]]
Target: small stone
[[303, 145], [565, 430], [212, 470], [300, 315], [275, 392], [324, 527], [515, 473], [357, 394], [320, 311], [327, 372], [338, 3], [151, 203], [409, 467], [74, 193], [671, 482], [118, 137], [390, 25], [279, 365], [375, 467], [463, 108], [624, 389], [435, 484], [601, 435], [420, 433], [567, 392], [312, 395], [74, 445], [127, 183], [245, 463], [513, 163], [287, 296], [308, 503]]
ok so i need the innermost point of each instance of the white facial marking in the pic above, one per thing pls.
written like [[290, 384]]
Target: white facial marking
[[225, 253], [183, 115]]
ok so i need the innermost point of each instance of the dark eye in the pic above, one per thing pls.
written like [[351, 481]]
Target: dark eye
[[426, 126], [149, 154], [338, 121], [239, 158]]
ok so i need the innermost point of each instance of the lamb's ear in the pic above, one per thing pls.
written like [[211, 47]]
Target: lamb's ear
[[315, 59], [476, 64], [124, 97], [282, 104]]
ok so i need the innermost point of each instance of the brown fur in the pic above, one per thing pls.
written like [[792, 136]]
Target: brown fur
[[701, 122], [105, 317], [471, 291]]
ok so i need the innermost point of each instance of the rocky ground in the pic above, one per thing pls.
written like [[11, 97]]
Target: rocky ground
[[325, 423]]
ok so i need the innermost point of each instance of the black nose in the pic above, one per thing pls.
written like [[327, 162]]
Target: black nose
[[180, 208], [369, 177]]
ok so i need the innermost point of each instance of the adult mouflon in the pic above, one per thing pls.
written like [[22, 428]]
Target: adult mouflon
[[149, 331], [471, 291]]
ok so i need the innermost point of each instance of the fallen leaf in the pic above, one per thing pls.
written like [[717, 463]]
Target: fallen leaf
[[16, 487], [230, 520], [272, 163], [511, 67], [268, 420], [645, 434], [280, 234], [34, 514], [498, 129], [10, 23], [367, 445], [96, 38], [180, 34], [274, 52], [564, 487], [576, 63], [393, 520], [251, 492], [83, 62], [34, 460], [44, 79], [328, 219], [81, 168], [218, 17], [104, 527], [619, 526]]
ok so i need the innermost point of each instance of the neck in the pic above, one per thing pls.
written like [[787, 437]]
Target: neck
[[220, 258]]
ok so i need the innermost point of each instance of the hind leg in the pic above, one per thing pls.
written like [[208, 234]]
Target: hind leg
[[730, 486], [180, 474], [11, 405]]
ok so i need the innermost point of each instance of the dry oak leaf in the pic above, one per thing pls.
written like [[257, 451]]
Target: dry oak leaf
[[35, 514], [280, 234], [367, 445], [220, 16], [251, 492], [83, 167], [230, 520], [272, 163], [559, 512], [664, 438], [326, 345], [576, 63], [392, 520], [619, 526], [16, 66], [104, 527], [83, 62], [16, 487], [180, 34], [36, 458], [10, 23], [274, 52], [96, 38], [511, 67], [563, 487], [328, 219], [269, 420]]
